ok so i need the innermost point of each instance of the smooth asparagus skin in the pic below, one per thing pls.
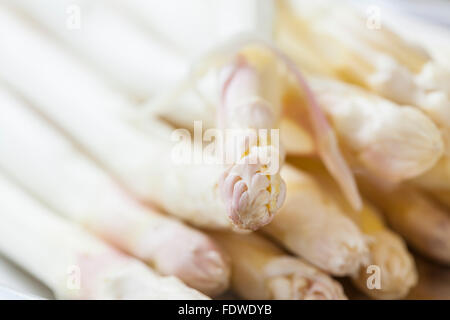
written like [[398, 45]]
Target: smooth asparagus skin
[[311, 225], [391, 142], [98, 118], [143, 65], [387, 249], [74, 264], [379, 61], [409, 211], [48, 165]]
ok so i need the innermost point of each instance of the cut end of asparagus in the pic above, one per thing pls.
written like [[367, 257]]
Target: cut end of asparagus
[[290, 279], [252, 196]]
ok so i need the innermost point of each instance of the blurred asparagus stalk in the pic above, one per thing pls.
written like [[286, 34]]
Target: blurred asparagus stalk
[[99, 120], [143, 65], [385, 140], [312, 226], [260, 270], [71, 262], [233, 18], [424, 225], [387, 249], [225, 18], [378, 60], [64, 178], [257, 70], [154, 52]]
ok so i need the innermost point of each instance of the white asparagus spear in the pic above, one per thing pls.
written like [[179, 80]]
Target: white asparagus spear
[[64, 178], [379, 60], [263, 271], [249, 19], [149, 58], [250, 101], [308, 117], [133, 59], [74, 264], [311, 225], [385, 63], [423, 223], [96, 117], [388, 251], [98, 23], [214, 21], [392, 142], [376, 59]]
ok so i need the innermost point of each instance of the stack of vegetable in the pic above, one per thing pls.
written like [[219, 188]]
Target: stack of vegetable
[[338, 166]]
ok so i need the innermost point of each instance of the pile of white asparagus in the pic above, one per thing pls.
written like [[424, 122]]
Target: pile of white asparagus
[[94, 204]]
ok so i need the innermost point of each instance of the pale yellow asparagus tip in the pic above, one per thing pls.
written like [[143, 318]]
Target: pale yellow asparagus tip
[[290, 279], [252, 197], [397, 269], [249, 100], [389, 253], [198, 261], [392, 142], [413, 148]]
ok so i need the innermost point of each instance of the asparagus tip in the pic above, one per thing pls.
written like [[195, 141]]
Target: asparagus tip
[[252, 197]]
